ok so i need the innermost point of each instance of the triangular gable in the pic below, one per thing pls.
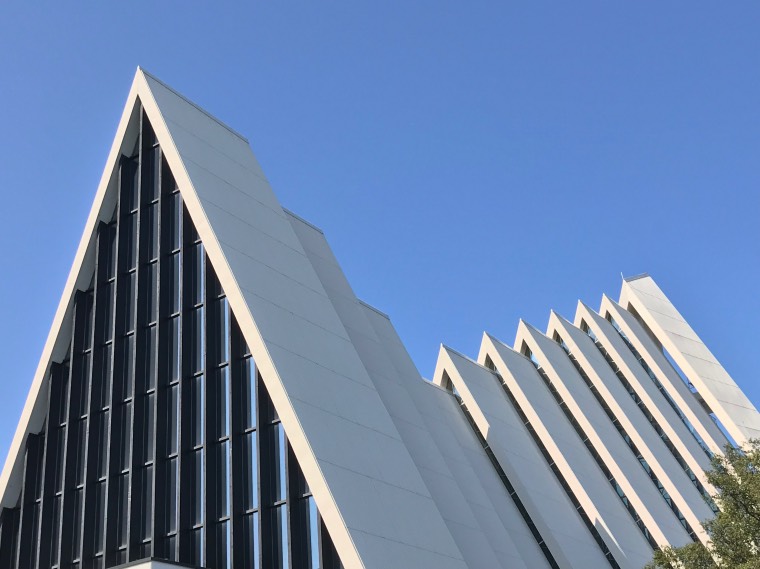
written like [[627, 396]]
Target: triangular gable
[[295, 336]]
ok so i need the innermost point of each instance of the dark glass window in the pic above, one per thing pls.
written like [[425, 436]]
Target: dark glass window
[[151, 228], [162, 449], [149, 300], [172, 419], [221, 402], [197, 352], [249, 403], [198, 488], [176, 283], [280, 452], [251, 465], [196, 396], [175, 221], [251, 543]]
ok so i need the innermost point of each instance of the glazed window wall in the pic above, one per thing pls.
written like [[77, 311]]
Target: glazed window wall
[[152, 444]]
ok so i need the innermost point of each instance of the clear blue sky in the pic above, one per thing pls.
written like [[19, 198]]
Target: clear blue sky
[[471, 163]]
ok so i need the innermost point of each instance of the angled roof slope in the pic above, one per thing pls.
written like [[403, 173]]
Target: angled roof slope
[[297, 340]]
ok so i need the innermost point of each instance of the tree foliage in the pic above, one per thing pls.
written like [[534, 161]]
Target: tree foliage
[[735, 531]]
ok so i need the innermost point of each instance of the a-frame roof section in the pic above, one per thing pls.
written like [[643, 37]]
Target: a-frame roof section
[[326, 401]]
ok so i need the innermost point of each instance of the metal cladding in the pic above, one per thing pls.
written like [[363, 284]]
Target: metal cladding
[[212, 393]]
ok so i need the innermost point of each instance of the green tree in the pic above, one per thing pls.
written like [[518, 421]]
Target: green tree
[[735, 531]]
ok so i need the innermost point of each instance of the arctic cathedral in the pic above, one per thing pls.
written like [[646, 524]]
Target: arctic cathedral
[[212, 394]]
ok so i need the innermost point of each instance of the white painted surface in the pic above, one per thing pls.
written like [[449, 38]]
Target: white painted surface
[[619, 457], [543, 497], [737, 413]]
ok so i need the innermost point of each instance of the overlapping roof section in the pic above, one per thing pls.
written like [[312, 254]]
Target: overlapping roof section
[[368, 489], [580, 447], [595, 426]]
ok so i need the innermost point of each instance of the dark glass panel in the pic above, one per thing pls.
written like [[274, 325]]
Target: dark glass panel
[[171, 496], [197, 419], [122, 486], [59, 407], [196, 546], [149, 293], [129, 240], [86, 315], [125, 430], [313, 525], [128, 300], [172, 418], [127, 369], [130, 174], [251, 544], [223, 480], [105, 310], [220, 411], [223, 543], [251, 490], [173, 349], [280, 452], [101, 378], [176, 283], [197, 346], [78, 447], [199, 494], [80, 386], [151, 231], [149, 355], [280, 546], [109, 245], [151, 164], [77, 521], [56, 537], [174, 217], [60, 440], [146, 503], [100, 430], [197, 275], [100, 512], [148, 427], [221, 333], [249, 403], [171, 548]]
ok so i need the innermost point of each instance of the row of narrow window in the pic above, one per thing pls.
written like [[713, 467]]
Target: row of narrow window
[[650, 417], [591, 448], [554, 468], [160, 439], [503, 476], [629, 441]]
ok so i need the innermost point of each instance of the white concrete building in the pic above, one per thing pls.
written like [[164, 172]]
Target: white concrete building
[[213, 394]]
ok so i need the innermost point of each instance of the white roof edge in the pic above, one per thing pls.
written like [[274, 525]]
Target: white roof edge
[[14, 459]]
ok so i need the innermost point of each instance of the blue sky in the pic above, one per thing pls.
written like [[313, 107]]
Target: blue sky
[[471, 163]]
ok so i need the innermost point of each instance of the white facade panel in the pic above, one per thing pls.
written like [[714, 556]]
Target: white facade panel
[[397, 386], [480, 469], [650, 503], [545, 500], [715, 385], [671, 420], [589, 483], [665, 373]]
